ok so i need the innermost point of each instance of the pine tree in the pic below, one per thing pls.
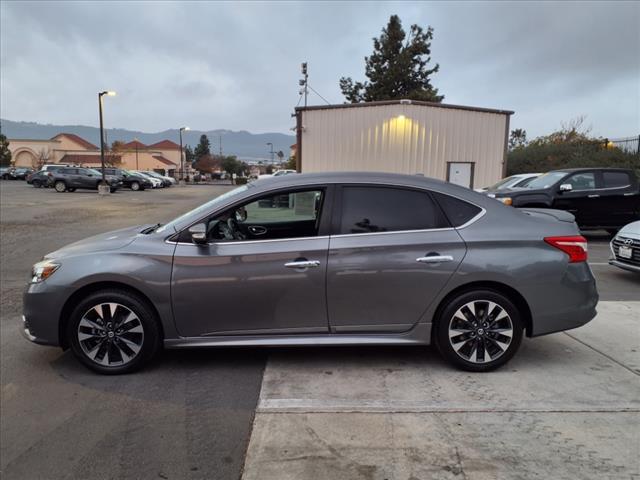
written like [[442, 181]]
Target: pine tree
[[203, 147], [5, 153], [397, 67]]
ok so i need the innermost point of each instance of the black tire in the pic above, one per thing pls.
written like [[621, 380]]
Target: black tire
[[486, 340], [37, 184], [150, 340], [60, 186], [135, 186], [71, 189]]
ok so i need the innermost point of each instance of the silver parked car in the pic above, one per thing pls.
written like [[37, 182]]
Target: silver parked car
[[625, 248], [319, 259]]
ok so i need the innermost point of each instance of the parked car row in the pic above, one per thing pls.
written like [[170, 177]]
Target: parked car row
[[68, 178], [598, 198], [18, 173]]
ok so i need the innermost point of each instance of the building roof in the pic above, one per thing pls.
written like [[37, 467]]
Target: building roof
[[403, 102], [165, 145], [164, 160], [85, 158], [133, 144], [77, 139]]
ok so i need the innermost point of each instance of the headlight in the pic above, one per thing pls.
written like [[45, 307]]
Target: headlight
[[506, 200], [43, 270]]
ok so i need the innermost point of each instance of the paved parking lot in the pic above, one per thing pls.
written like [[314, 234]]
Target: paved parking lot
[[566, 407]]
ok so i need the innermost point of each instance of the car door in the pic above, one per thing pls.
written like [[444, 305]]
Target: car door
[[390, 253], [619, 197], [253, 281], [583, 200]]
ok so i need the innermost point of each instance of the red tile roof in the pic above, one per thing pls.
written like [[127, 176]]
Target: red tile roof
[[79, 140], [165, 145], [78, 158], [166, 161], [135, 144]]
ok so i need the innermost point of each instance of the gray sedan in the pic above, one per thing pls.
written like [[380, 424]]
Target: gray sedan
[[319, 259]]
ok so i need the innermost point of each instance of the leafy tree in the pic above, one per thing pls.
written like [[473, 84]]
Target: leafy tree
[[269, 169], [113, 154], [207, 164], [5, 153], [203, 147], [280, 156], [397, 68], [569, 147], [291, 163], [517, 139]]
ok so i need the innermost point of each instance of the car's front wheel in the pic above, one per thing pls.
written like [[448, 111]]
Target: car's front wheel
[[37, 184], [135, 186], [60, 186], [113, 332], [479, 330]]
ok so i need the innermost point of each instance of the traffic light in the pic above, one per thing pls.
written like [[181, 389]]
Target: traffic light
[[304, 68]]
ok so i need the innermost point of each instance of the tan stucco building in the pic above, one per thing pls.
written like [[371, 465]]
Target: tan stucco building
[[68, 148]]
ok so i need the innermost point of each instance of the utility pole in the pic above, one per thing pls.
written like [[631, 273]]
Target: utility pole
[[103, 189], [136, 141], [303, 82], [271, 152], [220, 139]]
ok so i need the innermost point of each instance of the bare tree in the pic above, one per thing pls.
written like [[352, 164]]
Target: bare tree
[[43, 157]]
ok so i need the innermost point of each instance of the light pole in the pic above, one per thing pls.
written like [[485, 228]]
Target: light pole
[[136, 142], [182, 129], [271, 152], [105, 187]]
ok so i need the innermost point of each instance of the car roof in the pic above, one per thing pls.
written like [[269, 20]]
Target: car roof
[[584, 169]]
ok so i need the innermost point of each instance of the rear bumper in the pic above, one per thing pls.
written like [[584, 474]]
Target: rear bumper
[[568, 304]]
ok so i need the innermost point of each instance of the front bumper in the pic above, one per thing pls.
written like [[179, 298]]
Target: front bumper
[[42, 308], [624, 265]]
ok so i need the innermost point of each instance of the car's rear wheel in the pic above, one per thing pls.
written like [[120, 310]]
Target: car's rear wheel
[[113, 332], [60, 186], [135, 186], [479, 330]]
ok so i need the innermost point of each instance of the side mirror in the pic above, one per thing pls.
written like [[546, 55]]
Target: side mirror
[[89, 174], [198, 233], [566, 187]]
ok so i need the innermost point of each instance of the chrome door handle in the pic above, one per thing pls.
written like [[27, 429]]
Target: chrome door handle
[[593, 196], [435, 259], [303, 264]]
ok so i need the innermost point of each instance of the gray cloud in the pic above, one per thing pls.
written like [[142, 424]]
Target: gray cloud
[[236, 65]]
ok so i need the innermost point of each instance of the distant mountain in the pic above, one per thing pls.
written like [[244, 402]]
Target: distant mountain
[[243, 144]]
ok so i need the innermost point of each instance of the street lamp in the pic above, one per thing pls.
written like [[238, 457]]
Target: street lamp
[[135, 140], [182, 129], [100, 95], [271, 145]]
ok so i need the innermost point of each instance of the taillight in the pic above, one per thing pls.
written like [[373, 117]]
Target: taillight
[[574, 246]]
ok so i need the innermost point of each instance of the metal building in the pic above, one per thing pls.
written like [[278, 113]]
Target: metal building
[[464, 145]]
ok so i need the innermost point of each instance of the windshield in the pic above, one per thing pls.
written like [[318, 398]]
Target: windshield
[[205, 207], [546, 180], [501, 184]]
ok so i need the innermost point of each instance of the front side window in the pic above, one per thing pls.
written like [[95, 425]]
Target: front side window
[[581, 181], [383, 209], [546, 180], [277, 216]]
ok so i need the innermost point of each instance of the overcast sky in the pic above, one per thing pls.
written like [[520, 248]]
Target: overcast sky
[[236, 65]]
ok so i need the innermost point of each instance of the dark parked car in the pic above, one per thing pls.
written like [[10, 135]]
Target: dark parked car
[[130, 179], [19, 173], [347, 259], [606, 198], [4, 173], [71, 178], [42, 178]]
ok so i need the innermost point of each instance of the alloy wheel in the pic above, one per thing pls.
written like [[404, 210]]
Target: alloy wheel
[[110, 334], [480, 331]]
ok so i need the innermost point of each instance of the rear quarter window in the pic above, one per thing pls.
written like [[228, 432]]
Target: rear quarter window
[[616, 179], [457, 211]]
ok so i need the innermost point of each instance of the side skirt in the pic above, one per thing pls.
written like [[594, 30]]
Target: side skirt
[[419, 335]]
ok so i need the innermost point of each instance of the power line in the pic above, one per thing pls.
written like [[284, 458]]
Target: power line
[[311, 88]]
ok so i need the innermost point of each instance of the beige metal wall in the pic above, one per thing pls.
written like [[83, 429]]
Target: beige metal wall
[[404, 139]]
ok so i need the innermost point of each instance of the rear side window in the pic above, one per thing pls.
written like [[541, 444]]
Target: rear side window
[[382, 209], [616, 179], [457, 211]]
